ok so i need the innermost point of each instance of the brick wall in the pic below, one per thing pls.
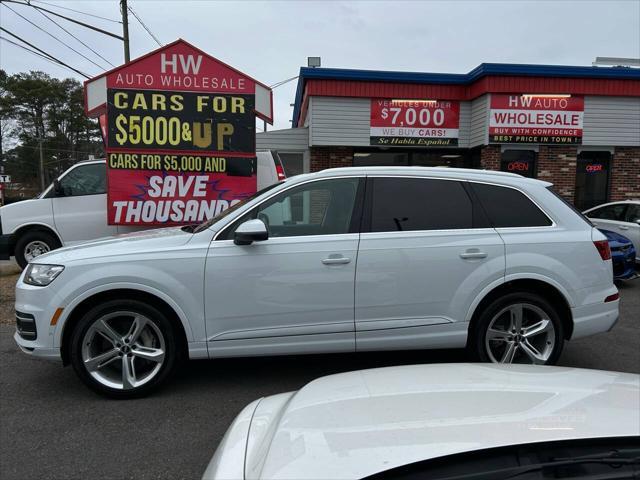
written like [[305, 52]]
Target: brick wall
[[625, 174], [490, 157], [330, 157], [557, 164]]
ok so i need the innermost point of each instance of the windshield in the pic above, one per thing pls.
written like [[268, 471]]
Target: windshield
[[584, 458], [207, 223]]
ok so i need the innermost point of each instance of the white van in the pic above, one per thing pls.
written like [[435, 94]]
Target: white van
[[73, 209]]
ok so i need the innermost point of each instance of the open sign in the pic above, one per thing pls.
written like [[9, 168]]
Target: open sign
[[518, 166], [594, 167]]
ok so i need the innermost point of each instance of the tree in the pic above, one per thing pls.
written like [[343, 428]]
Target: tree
[[45, 113]]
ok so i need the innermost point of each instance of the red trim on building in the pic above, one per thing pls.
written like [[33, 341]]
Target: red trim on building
[[491, 84], [488, 84]]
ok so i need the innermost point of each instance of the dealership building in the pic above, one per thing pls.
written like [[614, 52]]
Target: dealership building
[[577, 127]]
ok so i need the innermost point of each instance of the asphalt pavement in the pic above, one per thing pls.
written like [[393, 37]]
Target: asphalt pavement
[[51, 426]]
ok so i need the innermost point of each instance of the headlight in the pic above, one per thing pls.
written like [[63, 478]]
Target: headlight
[[41, 275]]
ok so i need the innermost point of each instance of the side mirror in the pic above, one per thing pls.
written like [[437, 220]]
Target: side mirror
[[250, 231], [57, 188]]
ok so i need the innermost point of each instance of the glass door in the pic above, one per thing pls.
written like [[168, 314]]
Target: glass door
[[592, 179], [522, 162]]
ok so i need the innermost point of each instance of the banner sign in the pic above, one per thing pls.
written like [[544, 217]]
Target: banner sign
[[180, 121], [536, 119], [180, 137], [419, 123]]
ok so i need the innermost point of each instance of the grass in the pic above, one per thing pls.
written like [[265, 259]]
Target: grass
[[9, 273]]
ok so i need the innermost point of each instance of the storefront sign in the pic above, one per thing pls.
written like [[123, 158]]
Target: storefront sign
[[180, 137], [594, 167], [536, 119], [414, 122], [518, 167]]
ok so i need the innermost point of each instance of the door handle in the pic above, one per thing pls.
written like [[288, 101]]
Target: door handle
[[336, 260], [623, 227], [473, 254]]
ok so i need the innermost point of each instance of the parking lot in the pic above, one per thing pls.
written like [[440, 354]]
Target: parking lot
[[53, 426]]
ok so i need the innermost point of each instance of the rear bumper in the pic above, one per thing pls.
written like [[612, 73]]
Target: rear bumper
[[594, 318]]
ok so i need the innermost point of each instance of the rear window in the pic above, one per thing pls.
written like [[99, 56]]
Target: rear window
[[508, 207], [575, 210]]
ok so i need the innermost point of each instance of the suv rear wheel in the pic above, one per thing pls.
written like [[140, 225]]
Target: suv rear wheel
[[123, 348], [520, 327], [33, 244]]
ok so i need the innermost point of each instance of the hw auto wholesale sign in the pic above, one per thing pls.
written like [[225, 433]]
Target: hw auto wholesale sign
[[180, 136], [536, 119], [414, 122]]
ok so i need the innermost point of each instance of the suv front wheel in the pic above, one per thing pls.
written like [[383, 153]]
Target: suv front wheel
[[520, 327], [123, 348]]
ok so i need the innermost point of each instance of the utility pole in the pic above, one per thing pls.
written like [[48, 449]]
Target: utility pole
[[42, 180], [125, 29]]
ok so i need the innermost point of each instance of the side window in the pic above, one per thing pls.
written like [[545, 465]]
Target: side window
[[633, 214], [406, 204], [325, 207], [85, 180], [609, 212], [508, 207]]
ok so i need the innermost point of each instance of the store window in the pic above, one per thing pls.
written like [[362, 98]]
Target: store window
[[439, 159], [380, 159], [431, 158], [293, 163], [522, 162], [592, 179]]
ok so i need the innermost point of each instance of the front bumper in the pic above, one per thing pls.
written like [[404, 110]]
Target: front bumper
[[6, 246], [37, 352], [35, 307], [624, 265]]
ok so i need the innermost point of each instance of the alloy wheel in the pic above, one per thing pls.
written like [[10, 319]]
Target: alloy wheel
[[520, 333], [123, 350]]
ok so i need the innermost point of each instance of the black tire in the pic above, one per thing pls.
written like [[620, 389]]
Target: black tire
[[477, 345], [29, 237], [164, 327]]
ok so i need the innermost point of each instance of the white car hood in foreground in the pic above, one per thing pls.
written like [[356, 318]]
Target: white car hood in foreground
[[130, 243], [356, 424]]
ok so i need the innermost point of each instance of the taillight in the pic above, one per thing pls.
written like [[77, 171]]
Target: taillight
[[280, 172], [612, 298], [603, 249]]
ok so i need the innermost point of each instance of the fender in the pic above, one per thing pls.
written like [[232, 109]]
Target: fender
[[38, 224], [517, 276], [57, 335]]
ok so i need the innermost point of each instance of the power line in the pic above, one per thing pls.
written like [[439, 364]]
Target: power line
[[87, 46], [31, 51], [279, 84], [43, 52], [145, 27], [66, 18], [53, 36], [57, 150], [78, 11]]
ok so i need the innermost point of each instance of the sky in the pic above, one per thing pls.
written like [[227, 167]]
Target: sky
[[271, 40]]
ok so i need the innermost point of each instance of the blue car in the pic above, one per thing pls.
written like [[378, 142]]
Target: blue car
[[623, 255]]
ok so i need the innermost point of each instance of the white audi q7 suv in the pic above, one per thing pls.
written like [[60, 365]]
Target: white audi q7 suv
[[342, 260]]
